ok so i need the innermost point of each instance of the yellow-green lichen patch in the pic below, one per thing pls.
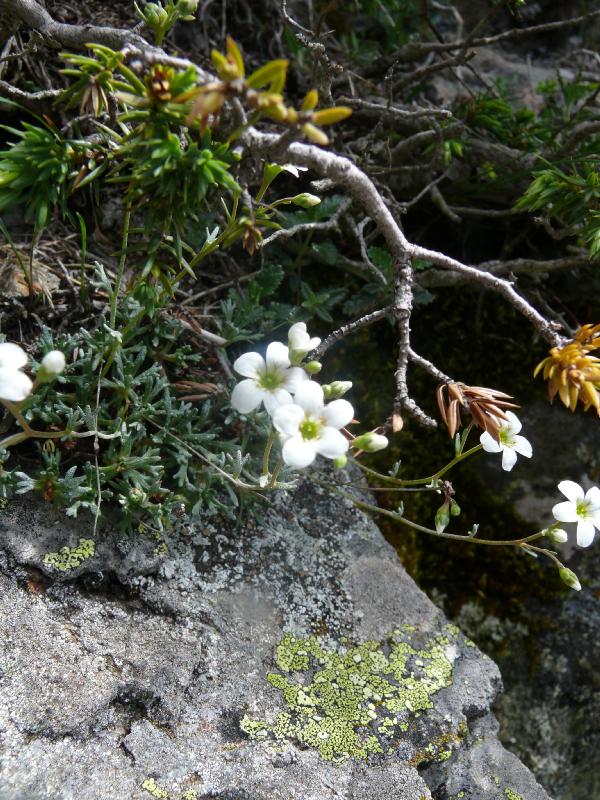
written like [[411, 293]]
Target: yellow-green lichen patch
[[70, 557], [154, 789], [353, 701], [512, 795]]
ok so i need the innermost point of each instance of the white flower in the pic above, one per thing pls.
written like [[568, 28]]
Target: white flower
[[510, 444], [582, 508], [300, 343], [53, 363], [267, 381], [14, 384], [308, 426]]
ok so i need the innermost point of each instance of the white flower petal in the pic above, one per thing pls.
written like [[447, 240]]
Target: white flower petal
[[298, 338], [490, 445], [273, 400], [509, 459], [12, 356], [309, 395], [585, 533], [592, 496], [14, 385], [514, 423], [277, 356], [571, 490], [298, 453], [292, 378], [246, 396], [565, 512], [314, 342], [250, 365], [331, 443], [523, 446], [287, 419], [293, 169], [338, 413]]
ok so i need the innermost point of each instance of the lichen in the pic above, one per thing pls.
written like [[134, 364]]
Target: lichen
[[154, 789], [512, 795], [71, 557], [355, 700]]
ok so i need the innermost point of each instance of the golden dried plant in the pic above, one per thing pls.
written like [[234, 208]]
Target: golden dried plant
[[484, 405], [572, 373]]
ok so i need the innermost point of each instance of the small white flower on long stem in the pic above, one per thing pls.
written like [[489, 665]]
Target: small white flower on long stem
[[300, 343], [15, 386], [510, 443], [271, 380], [581, 507], [308, 426]]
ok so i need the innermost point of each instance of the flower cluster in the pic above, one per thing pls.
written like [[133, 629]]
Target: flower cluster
[[572, 372], [307, 425]]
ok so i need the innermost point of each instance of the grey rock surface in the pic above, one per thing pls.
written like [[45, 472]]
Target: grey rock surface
[[134, 673]]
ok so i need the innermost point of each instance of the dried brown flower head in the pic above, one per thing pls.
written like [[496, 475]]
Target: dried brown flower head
[[572, 373], [484, 405]]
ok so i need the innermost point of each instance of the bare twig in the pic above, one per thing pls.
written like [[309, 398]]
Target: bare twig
[[328, 225], [401, 309], [349, 176], [346, 330], [428, 367]]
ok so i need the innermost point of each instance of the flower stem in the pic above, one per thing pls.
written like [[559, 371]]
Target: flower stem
[[421, 481], [273, 482], [267, 453], [455, 536]]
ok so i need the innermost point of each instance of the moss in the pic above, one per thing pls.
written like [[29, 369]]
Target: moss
[[154, 789], [512, 795], [190, 794], [354, 701], [71, 557]]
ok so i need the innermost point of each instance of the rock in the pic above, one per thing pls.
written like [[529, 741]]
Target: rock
[[288, 660]]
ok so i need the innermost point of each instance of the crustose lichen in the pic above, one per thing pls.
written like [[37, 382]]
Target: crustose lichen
[[356, 700]]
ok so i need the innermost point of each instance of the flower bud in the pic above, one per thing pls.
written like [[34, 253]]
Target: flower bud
[[53, 363], [137, 496], [335, 390], [306, 200], [299, 342], [340, 462], [568, 576], [557, 535], [313, 367], [370, 442], [187, 7], [442, 517], [154, 15]]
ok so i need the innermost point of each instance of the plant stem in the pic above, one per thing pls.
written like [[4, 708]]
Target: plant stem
[[267, 453], [273, 482], [455, 536], [120, 270], [421, 481]]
